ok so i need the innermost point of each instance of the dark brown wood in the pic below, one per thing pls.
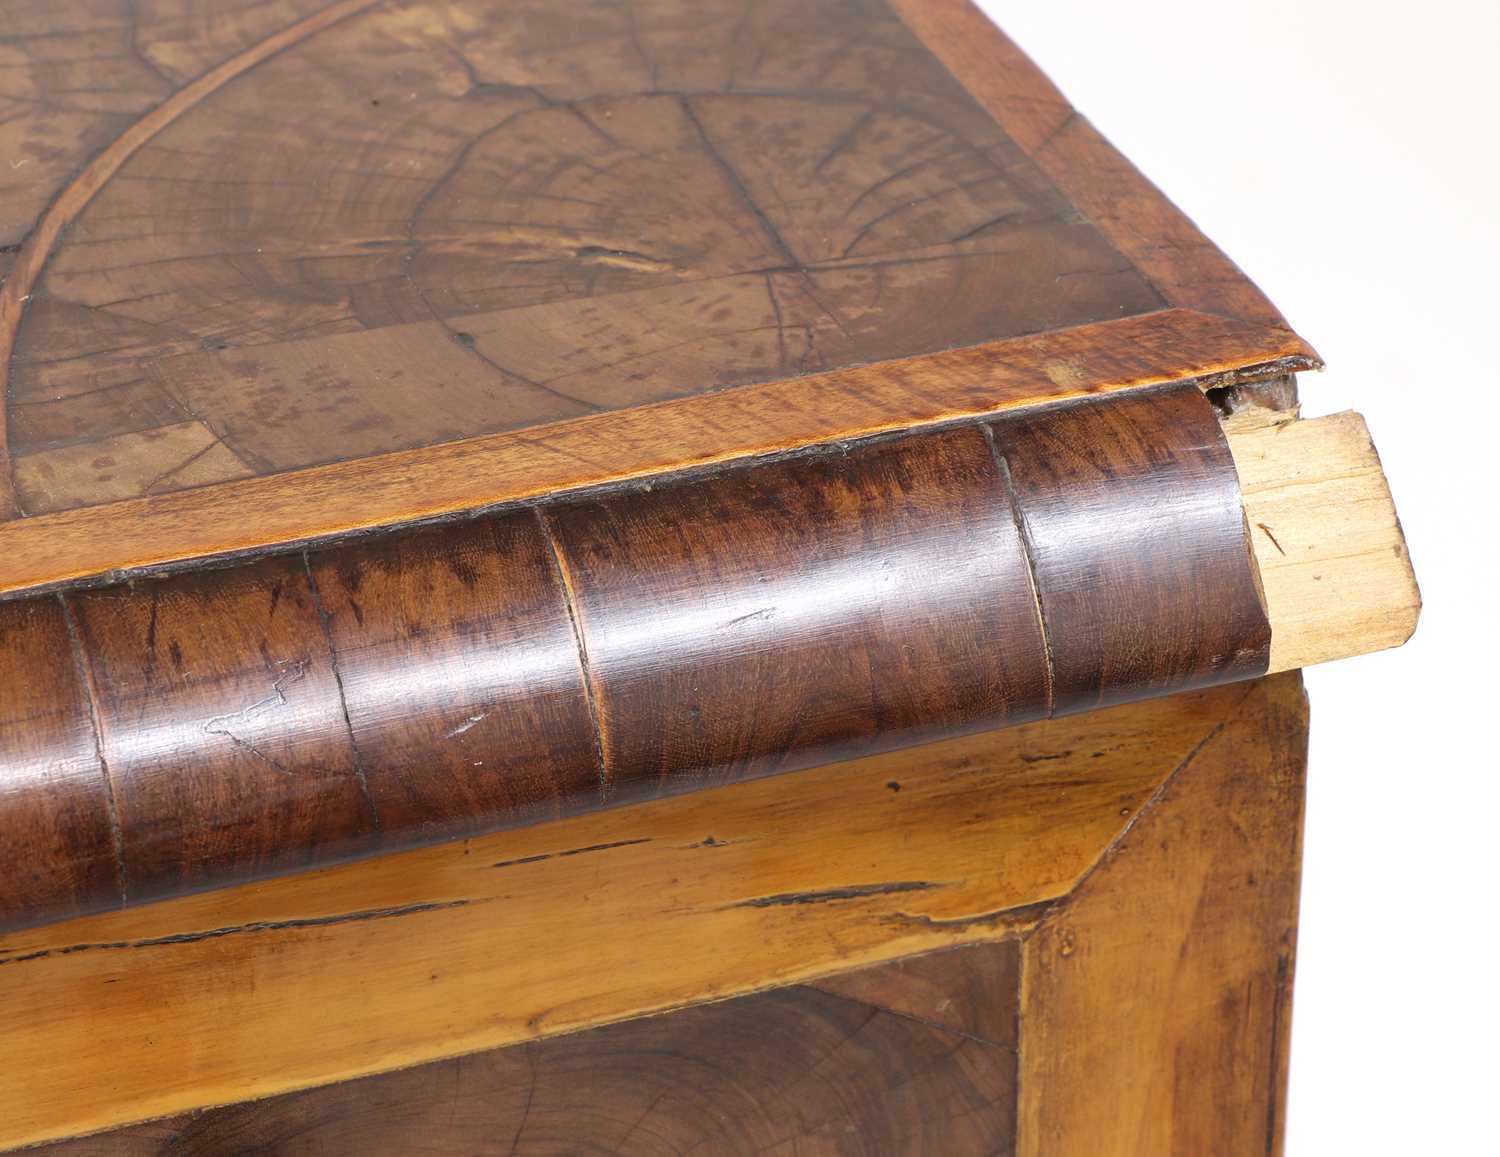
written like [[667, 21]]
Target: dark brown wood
[[459, 669], [1157, 238], [423, 419], [820, 608], [59, 851], [680, 201], [301, 709], [220, 726], [1135, 536]]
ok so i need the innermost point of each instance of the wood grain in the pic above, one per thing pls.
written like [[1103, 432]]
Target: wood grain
[[1165, 976], [795, 1070], [460, 674], [21, 278], [58, 841], [808, 595], [1158, 239], [1328, 544], [208, 289], [544, 408], [1137, 542], [474, 944], [973, 990], [479, 233], [184, 526], [297, 710], [1162, 976], [220, 727]]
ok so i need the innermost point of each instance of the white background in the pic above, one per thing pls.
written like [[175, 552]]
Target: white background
[[1347, 156]]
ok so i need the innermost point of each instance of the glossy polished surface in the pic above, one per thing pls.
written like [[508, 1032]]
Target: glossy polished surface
[[58, 847], [300, 709], [1138, 544], [820, 608], [461, 676], [220, 726]]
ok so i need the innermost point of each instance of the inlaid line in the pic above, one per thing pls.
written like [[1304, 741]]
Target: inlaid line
[[75, 197]]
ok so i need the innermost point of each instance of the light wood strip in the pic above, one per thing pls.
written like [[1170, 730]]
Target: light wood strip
[[1333, 563], [252, 513], [466, 946]]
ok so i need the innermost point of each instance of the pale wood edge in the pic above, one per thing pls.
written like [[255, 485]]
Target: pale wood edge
[[1324, 533], [228, 519]]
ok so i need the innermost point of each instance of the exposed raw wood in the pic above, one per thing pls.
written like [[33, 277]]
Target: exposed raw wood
[[465, 678], [277, 273], [1333, 564], [466, 946], [1337, 578]]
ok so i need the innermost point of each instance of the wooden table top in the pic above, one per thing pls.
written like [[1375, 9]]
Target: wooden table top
[[436, 433], [305, 267], [302, 270]]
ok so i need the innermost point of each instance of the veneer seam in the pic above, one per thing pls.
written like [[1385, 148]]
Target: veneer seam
[[65, 525], [85, 672], [338, 682], [565, 582], [1023, 531], [76, 196]]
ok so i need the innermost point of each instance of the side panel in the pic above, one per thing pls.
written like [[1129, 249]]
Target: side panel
[[1156, 999]]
